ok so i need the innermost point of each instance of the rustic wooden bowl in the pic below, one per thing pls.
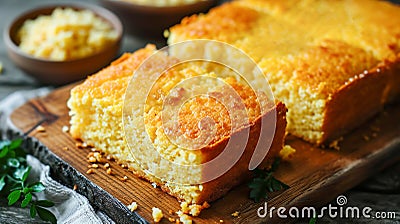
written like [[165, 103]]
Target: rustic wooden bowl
[[148, 21]]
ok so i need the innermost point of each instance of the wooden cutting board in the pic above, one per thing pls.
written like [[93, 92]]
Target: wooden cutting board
[[315, 176]]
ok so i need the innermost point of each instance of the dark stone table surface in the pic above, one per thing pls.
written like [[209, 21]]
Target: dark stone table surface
[[381, 192]]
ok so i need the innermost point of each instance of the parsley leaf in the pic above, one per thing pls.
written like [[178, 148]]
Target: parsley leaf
[[4, 151], [14, 172], [27, 200], [13, 197], [46, 215], [258, 189], [264, 182], [32, 211]]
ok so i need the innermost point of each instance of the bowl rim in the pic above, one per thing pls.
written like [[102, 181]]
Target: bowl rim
[[152, 8], [99, 11]]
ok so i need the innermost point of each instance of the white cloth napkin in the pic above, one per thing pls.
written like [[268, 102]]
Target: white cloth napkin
[[70, 207]]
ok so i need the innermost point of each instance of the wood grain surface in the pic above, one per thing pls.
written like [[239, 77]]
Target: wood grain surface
[[315, 176]]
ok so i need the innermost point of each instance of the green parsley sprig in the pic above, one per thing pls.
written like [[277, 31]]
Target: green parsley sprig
[[14, 172], [264, 182]]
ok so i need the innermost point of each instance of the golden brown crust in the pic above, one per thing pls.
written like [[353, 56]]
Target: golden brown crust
[[311, 64], [325, 68], [121, 68], [229, 117], [229, 18], [360, 99], [317, 50], [215, 189]]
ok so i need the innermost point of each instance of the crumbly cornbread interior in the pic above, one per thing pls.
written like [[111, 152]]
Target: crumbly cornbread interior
[[187, 112]]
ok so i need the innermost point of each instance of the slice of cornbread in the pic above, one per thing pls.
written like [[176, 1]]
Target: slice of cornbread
[[333, 63], [97, 110]]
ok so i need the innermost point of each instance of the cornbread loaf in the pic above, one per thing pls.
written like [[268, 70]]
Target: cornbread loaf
[[334, 64], [97, 107]]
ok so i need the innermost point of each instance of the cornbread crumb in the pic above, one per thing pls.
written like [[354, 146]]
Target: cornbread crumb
[[95, 166], [194, 209], [184, 207], [185, 219], [335, 144], [171, 219], [154, 185], [92, 159], [133, 206], [65, 148], [81, 145], [157, 214], [206, 205], [110, 158], [90, 171], [170, 212], [166, 33], [40, 128], [90, 154], [107, 165], [109, 172], [287, 152], [100, 158], [65, 129], [125, 178], [75, 187], [235, 214], [95, 157]]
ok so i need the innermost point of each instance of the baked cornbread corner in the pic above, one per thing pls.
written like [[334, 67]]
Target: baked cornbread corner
[[97, 105], [334, 64]]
